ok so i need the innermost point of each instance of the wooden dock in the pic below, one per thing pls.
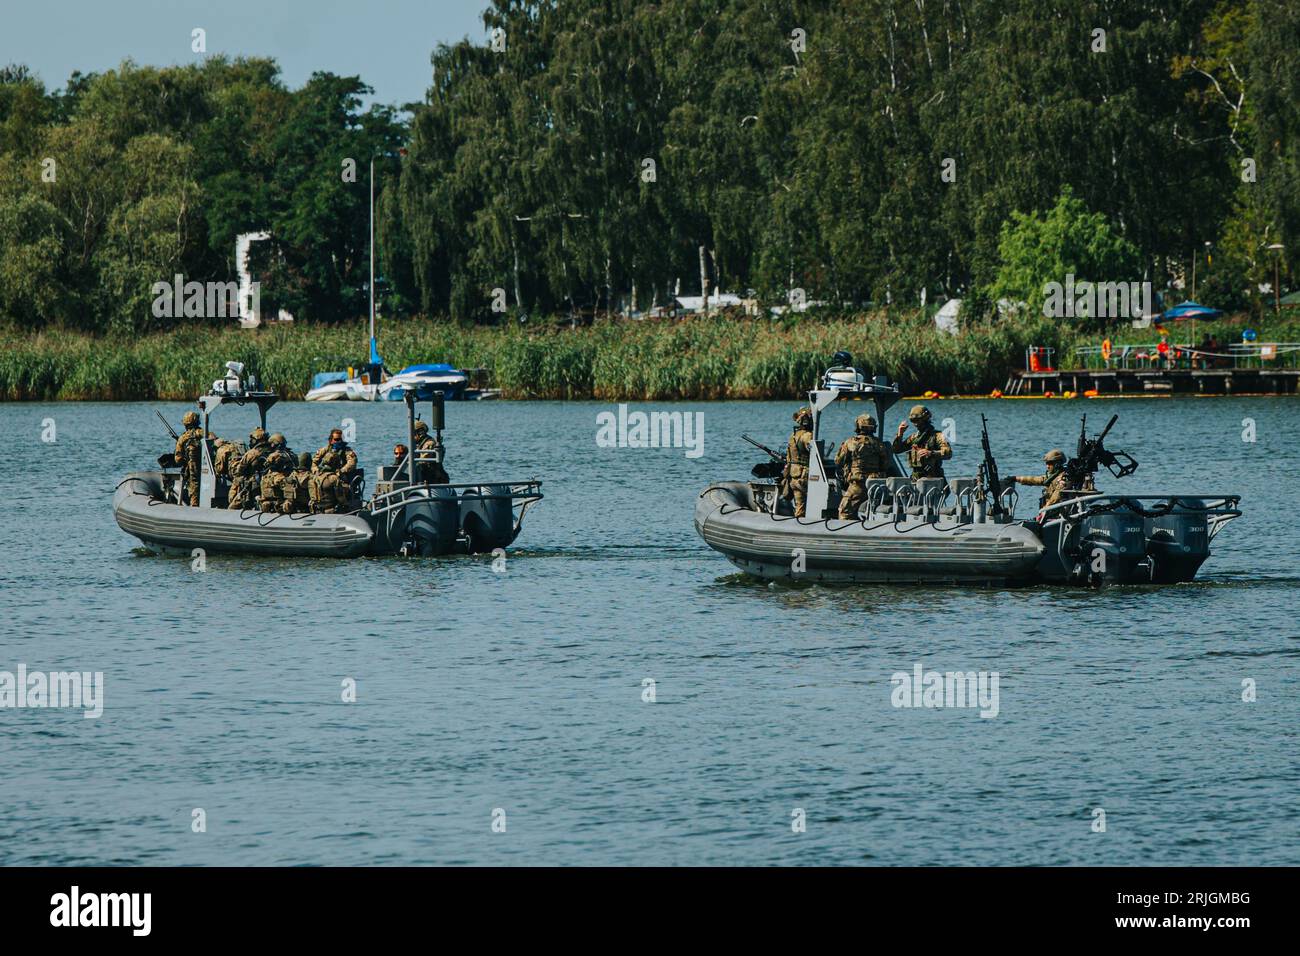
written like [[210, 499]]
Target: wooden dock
[[1156, 381]]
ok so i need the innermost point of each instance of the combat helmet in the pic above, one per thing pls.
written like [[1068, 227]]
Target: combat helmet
[[919, 413], [1055, 457], [421, 428], [865, 424], [257, 436], [803, 416], [304, 461], [190, 419], [277, 440]]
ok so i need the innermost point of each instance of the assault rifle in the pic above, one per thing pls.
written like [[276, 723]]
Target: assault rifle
[[1091, 454], [167, 425], [766, 469], [167, 460], [989, 472]]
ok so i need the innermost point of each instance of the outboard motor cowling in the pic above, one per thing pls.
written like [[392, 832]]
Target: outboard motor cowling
[[489, 523], [1112, 545], [432, 526], [1178, 542]]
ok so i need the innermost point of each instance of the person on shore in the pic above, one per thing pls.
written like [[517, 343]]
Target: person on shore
[[926, 448], [861, 456], [794, 478], [333, 466], [1054, 483], [188, 456], [277, 493], [428, 456], [248, 471]]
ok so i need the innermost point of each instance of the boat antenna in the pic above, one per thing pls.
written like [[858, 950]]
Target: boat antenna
[[374, 351]]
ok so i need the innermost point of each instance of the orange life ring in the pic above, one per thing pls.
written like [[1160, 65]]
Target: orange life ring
[[1105, 350]]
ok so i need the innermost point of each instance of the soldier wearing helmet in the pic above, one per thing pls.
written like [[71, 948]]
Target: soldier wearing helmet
[[1054, 483], [277, 491], [298, 483], [428, 457], [926, 448], [332, 469], [861, 457], [247, 470], [189, 451], [794, 477]]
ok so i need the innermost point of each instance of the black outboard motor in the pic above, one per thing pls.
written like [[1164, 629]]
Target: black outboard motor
[[1178, 542], [1111, 546], [488, 523], [431, 526]]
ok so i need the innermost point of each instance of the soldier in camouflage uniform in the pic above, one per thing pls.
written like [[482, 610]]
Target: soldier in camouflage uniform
[[224, 458], [861, 457], [277, 495], [428, 470], [926, 448], [247, 470], [795, 476], [188, 456], [332, 470], [299, 480], [1054, 483]]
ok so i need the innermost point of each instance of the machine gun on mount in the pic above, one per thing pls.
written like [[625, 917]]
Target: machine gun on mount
[[1092, 454], [766, 469], [988, 473]]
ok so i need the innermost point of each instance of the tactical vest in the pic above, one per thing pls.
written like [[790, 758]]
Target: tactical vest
[[228, 456], [930, 466], [280, 461], [867, 457], [329, 460], [797, 451], [187, 449]]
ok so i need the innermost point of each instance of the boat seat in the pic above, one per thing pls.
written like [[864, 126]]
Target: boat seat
[[930, 491], [956, 489]]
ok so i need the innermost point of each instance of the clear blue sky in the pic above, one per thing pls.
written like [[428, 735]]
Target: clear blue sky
[[386, 42]]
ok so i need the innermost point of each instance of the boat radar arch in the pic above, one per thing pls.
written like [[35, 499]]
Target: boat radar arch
[[839, 383]]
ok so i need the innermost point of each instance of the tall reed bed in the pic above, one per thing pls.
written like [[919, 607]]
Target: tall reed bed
[[697, 358]]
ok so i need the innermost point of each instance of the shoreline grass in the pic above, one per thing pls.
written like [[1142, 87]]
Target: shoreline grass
[[710, 358]]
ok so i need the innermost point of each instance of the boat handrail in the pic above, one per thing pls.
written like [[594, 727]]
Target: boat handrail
[[525, 492]]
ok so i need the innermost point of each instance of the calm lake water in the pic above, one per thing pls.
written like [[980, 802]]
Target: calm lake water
[[523, 691]]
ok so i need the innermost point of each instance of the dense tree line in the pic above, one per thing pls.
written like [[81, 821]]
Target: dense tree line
[[592, 154]]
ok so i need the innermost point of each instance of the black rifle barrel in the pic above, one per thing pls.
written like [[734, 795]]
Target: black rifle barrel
[[167, 425], [761, 447]]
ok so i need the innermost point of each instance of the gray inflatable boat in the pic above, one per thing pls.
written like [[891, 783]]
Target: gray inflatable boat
[[959, 530], [405, 515]]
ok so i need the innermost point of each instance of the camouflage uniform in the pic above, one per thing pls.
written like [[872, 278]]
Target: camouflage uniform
[[298, 481], [247, 471], [331, 470], [925, 438], [189, 452], [428, 471], [1054, 483], [796, 461], [861, 457], [279, 464]]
